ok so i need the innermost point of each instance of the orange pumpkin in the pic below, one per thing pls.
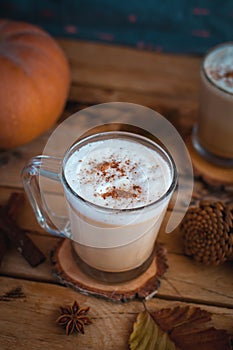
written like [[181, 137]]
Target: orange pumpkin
[[34, 82]]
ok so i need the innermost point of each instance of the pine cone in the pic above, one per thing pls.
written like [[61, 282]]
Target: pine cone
[[208, 232]]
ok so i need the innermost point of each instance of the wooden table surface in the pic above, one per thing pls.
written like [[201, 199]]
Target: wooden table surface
[[170, 85]]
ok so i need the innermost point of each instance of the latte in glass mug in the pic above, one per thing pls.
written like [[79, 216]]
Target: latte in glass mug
[[117, 186], [213, 134]]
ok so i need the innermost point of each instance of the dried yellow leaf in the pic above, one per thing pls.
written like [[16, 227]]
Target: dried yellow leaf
[[147, 335]]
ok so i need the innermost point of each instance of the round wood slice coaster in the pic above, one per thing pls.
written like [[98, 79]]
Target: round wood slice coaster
[[66, 269], [210, 173]]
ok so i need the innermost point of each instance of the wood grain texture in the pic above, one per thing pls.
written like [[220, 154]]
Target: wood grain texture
[[114, 67], [28, 321], [167, 83]]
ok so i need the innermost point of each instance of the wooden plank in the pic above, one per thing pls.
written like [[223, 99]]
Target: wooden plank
[[116, 67], [177, 109], [103, 73], [185, 279], [28, 321]]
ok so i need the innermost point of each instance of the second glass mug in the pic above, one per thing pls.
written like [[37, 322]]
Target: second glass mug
[[213, 133], [112, 245]]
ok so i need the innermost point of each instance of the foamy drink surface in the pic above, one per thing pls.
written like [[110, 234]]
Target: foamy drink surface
[[118, 174], [219, 67]]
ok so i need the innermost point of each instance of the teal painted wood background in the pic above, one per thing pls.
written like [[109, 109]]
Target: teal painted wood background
[[180, 26]]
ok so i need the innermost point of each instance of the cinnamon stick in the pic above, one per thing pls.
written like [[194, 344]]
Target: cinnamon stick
[[17, 235], [14, 204], [21, 241]]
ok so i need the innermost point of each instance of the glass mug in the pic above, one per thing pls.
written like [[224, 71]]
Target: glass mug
[[213, 134], [111, 244]]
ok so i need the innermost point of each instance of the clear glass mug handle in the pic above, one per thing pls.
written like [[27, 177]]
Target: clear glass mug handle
[[50, 168]]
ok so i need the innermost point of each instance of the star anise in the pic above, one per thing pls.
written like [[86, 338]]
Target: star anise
[[73, 318]]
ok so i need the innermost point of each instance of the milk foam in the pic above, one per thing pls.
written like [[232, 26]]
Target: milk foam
[[219, 67], [117, 173]]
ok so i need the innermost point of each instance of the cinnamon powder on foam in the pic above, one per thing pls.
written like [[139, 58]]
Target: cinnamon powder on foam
[[118, 174]]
